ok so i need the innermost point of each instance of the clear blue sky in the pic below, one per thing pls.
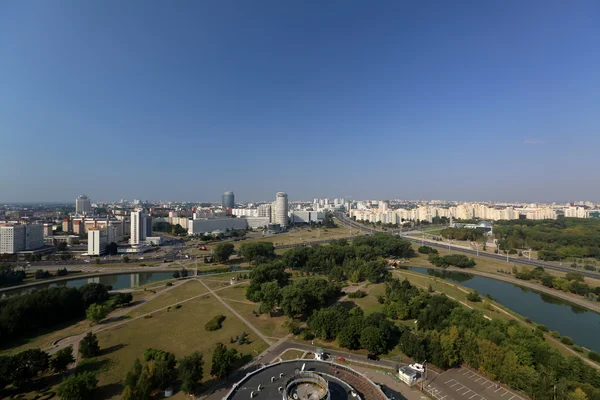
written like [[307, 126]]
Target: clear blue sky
[[466, 100]]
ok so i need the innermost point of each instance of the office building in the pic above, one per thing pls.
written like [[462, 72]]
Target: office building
[[83, 205], [281, 211], [138, 227], [228, 200], [47, 230]]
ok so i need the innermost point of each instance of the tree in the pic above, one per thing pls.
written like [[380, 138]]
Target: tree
[[29, 364], [270, 296], [97, 312], [78, 387], [112, 249], [61, 359], [349, 336], [223, 251], [123, 299], [183, 273], [93, 293], [191, 371], [88, 346], [371, 338], [162, 367], [577, 394], [223, 361], [126, 259], [176, 275], [62, 246]]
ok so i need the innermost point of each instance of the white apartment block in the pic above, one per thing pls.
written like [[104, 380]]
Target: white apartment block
[[97, 241], [16, 238], [138, 228]]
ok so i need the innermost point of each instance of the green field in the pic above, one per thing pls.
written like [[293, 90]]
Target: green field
[[180, 331], [184, 291]]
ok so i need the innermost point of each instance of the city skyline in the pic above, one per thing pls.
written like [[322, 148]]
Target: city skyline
[[469, 101]]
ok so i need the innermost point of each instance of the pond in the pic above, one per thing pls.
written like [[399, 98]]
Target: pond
[[582, 325]]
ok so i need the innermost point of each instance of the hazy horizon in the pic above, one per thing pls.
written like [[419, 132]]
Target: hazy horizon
[[470, 100]]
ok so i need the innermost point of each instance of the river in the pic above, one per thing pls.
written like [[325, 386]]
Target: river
[[582, 325]]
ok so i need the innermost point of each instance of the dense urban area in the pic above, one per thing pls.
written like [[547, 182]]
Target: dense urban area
[[140, 300]]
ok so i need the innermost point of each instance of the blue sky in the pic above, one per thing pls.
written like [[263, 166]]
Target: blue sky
[[464, 100]]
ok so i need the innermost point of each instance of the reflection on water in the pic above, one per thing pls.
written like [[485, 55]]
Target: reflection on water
[[582, 325]]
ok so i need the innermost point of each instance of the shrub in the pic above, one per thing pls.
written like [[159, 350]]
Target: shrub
[[566, 340], [577, 348], [594, 356], [178, 306], [359, 294], [380, 299], [527, 320], [473, 296], [542, 328], [215, 323], [169, 284], [555, 334], [427, 250]]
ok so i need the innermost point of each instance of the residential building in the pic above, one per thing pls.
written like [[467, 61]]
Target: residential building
[[18, 237], [138, 227], [97, 241]]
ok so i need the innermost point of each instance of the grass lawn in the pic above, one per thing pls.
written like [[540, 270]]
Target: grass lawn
[[369, 304], [299, 235], [291, 354], [179, 331], [237, 292], [269, 326], [184, 291]]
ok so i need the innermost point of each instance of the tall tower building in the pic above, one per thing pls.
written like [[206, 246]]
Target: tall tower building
[[281, 210], [138, 227], [83, 205], [228, 200]]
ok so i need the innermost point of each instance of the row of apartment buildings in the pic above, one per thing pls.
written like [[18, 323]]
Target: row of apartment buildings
[[466, 211]]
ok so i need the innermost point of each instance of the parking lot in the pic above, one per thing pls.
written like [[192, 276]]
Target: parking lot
[[464, 384]]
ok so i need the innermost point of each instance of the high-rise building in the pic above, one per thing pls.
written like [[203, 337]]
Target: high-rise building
[[97, 241], [138, 227], [281, 212], [228, 200], [83, 205]]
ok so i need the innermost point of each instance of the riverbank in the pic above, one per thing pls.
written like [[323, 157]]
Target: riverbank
[[569, 297]]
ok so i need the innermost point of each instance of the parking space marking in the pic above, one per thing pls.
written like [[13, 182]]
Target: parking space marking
[[505, 394]]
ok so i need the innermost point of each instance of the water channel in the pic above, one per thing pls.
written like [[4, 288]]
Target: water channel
[[582, 325]]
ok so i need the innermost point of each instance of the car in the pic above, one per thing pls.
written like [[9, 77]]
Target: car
[[372, 356], [341, 359]]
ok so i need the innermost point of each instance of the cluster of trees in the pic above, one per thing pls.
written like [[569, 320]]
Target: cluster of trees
[[451, 260], [573, 282], [163, 226], [257, 252], [427, 250], [449, 335], [357, 261], [10, 276], [555, 239], [463, 234], [21, 315], [19, 369], [33, 257], [180, 274], [353, 329], [269, 285], [160, 370]]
